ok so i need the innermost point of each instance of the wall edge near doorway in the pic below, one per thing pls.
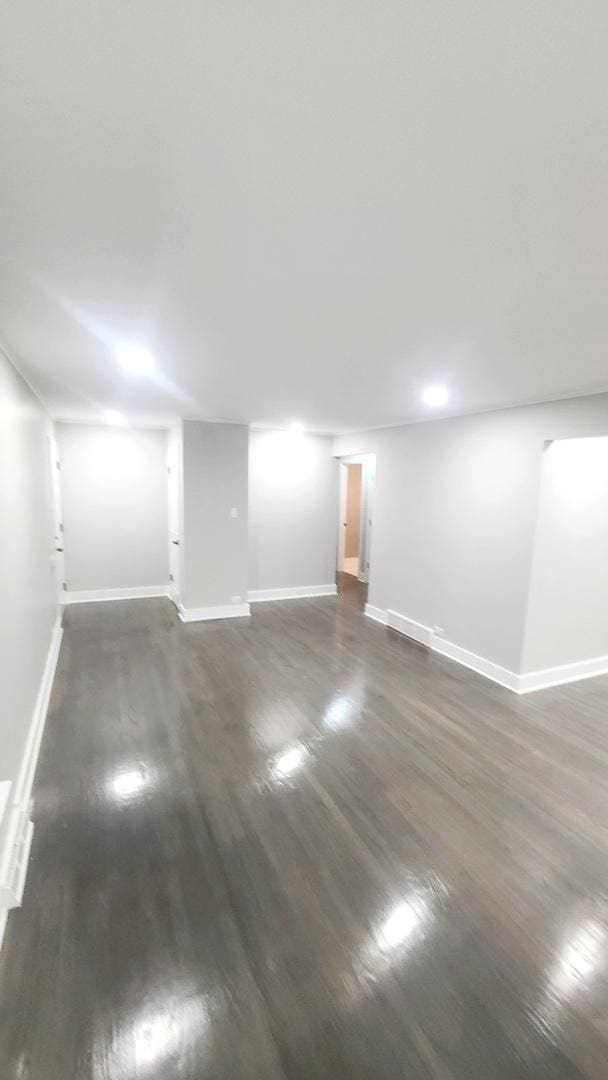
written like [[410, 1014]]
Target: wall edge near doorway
[[295, 592], [137, 592], [16, 828]]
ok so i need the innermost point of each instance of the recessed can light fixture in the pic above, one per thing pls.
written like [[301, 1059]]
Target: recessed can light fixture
[[111, 416], [135, 359], [435, 396]]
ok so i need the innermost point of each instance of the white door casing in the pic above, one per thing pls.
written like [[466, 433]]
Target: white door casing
[[174, 511], [58, 552]]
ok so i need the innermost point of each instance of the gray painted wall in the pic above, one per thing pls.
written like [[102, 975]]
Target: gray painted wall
[[114, 504], [567, 616], [293, 510], [214, 544], [27, 577], [455, 511]]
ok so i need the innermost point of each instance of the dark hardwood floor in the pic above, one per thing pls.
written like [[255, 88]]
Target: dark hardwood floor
[[300, 846]]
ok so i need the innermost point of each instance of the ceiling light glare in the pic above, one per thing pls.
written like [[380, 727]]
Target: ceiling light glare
[[296, 427], [435, 396], [116, 419], [135, 359]]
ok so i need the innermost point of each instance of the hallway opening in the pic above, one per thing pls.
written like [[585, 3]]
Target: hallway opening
[[357, 478]]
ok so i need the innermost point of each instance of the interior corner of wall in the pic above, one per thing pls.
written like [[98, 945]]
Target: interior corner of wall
[[525, 627]]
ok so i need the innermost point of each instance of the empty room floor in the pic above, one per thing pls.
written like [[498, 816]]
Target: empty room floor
[[301, 846]]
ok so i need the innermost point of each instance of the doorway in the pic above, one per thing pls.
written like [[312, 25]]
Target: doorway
[[174, 501], [352, 520], [357, 477], [58, 557]]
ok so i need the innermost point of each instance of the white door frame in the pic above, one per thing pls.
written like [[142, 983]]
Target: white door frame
[[174, 511], [368, 479], [58, 552], [342, 514]]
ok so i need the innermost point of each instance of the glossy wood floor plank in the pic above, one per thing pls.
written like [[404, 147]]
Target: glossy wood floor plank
[[300, 846]]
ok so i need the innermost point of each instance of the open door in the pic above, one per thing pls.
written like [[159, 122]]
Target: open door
[[357, 479]]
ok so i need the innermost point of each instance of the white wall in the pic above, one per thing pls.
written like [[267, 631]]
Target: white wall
[[455, 510], [568, 600], [114, 502], [293, 510], [27, 578], [214, 544]]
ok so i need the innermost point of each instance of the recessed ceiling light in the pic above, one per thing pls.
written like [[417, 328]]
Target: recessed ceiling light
[[435, 396], [136, 359], [296, 427], [112, 417]]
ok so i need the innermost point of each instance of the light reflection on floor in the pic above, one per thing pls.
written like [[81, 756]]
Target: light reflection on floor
[[153, 1038]]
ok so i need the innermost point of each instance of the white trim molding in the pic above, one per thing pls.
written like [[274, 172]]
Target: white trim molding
[[25, 779], [16, 829], [471, 660], [425, 635], [517, 683], [137, 592], [223, 611], [409, 627], [376, 613], [566, 673], [294, 592]]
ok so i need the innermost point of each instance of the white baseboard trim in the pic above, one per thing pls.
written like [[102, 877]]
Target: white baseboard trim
[[518, 684], [566, 673], [294, 592], [175, 599], [16, 829], [376, 613], [17, 835], [426, 636], [91, 596], [203, 614], [468, 659], [409, 627], [25, 779]]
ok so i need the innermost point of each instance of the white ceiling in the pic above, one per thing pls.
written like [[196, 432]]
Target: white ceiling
[[304, 209]]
